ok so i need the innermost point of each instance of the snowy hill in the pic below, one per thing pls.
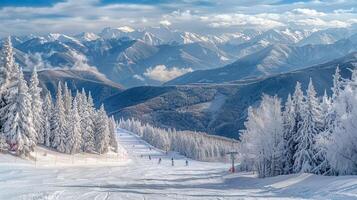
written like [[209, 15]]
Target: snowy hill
[[143, 178], [216, 108], [273, 59], [95, 82]]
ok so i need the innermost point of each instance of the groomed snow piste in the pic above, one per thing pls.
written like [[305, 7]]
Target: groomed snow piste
[[132, 175]]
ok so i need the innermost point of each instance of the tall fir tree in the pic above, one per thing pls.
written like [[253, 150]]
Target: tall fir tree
[[112, 138], [305, 151], [59, 120], [337, 83], [18, 126], [67, 99], [87, 124], [47, 113], [6, 63], [74, 138], [297, 118], [289, 124], [102, 131], [36, 106], [9, 82]]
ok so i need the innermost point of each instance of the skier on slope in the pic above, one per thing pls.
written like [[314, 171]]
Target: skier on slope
[[159, 161], [172, 162], [186, 162]]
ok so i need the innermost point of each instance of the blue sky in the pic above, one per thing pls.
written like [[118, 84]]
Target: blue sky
[[72, 16]]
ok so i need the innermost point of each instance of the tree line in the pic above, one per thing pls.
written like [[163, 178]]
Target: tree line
[[70, 124], [308, 134], [195, 145]]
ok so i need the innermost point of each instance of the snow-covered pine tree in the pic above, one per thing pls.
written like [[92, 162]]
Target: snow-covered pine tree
[[36, 106], [6, 58], [59, 123], [74, 137], [262, 141], [9, 85], [112, 138], [305, 138], [102, 131], [87, 124], [323, 166], [47, 113], [296, 110], [67, 99], [18, 126], [337, 84], [67, 104], [6, 63], [342, 145], [289, 124]]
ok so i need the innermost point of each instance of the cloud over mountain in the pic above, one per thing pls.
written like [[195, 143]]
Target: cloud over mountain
[[162, 73]]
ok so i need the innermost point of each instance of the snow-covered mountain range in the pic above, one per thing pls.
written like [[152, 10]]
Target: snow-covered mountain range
[[154, 55], [219, 109]]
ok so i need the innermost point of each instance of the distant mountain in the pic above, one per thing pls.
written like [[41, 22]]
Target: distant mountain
[[262, 40], [87, 36], [122, 60], [218, 109], [153, 55], [328, 36], [99, 86], [278, 58]]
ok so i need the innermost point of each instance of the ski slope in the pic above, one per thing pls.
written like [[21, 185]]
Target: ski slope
[[135, 176]]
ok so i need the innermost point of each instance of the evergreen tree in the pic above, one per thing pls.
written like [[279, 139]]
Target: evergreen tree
[[102, 131], [337, 83], [112, 138], [59, 123], [36, 106], [323, 166], [87, 124], [9, 82], [67, 99], [18, 126], [305, 152], [74, 139], [47, 113], [342, 144], [6, 63], [297, 110], [289, 124]]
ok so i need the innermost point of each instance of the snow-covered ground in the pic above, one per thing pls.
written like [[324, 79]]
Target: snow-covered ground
[[134, 176]]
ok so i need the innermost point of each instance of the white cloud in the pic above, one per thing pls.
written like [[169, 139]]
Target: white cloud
[[81, 62], [343, 11], [165, 22], [162, 73], [228, 20], [35, 60], [308, 12], [73, 16], [317, 22]]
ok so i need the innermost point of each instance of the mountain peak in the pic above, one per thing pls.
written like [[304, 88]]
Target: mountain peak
[[87, 36]]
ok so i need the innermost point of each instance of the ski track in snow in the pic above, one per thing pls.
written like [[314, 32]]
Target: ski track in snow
[[141, 178]]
